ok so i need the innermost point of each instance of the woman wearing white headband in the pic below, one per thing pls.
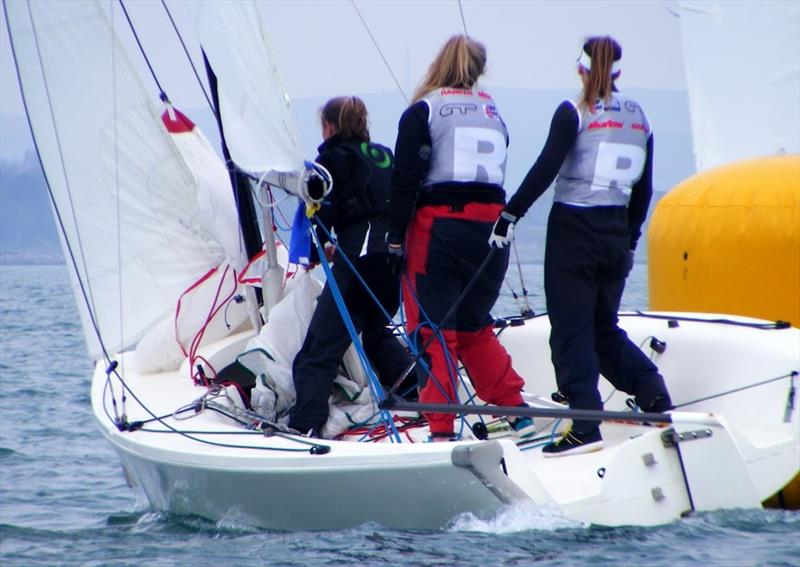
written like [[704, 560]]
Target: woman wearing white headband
[[600, 149]]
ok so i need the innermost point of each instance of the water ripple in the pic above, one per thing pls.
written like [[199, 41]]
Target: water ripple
[[64, 501]]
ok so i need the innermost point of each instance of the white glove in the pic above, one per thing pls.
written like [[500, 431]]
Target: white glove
[[503, 230]]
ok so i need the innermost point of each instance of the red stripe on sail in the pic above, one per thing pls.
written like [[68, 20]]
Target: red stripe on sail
[[180, 125]]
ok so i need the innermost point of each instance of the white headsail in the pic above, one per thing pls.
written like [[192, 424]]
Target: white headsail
[[254, 107], [127, 201], [254, 111], [743, 76]]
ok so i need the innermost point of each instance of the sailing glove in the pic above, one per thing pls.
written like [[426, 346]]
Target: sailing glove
[[631, 255], [503, 230]]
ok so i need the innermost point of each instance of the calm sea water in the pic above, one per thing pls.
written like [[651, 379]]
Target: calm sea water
[[63, 499]]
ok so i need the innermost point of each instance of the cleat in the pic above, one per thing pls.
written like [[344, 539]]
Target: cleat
[[574, 443]]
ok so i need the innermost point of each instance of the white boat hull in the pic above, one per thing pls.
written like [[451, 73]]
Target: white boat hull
[[645, 475]]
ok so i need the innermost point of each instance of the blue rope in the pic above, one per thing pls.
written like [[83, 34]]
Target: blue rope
[[411, 344], [375, 386], [449, 364]]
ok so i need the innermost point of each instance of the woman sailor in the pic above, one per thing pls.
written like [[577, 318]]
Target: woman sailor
[[601, 150], [447, 189], [357, 210]]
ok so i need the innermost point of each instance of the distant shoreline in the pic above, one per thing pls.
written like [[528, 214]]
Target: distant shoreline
[[30, 259]]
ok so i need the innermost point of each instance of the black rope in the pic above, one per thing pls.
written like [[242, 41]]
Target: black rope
[[171, 429], [719, 395], [189, 57], [375, 43], [161, 92], [777, 325]]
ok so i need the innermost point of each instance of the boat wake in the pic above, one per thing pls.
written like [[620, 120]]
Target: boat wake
[[517, 517]]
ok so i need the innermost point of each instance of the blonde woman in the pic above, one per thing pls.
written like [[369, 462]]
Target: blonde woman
[[600, 151], [447, 190]]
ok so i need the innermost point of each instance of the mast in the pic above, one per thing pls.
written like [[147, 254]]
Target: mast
[[245, 206]]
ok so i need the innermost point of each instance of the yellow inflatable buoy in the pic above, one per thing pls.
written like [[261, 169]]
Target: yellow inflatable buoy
[[727, 240]]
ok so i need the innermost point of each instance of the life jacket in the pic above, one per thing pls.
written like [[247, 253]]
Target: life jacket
[[368, 192], [468, 137], [608, 156]]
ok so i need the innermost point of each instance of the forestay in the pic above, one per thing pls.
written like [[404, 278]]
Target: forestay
[[128, 203]]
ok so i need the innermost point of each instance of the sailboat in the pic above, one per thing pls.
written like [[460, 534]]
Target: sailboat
[[164, 255]]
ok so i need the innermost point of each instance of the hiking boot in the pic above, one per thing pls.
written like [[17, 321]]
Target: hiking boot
[[574, 443], [523, 427]]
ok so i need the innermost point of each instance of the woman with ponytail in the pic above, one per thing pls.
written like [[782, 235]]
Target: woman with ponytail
[[600, 152], [446, 192], [357, 211]]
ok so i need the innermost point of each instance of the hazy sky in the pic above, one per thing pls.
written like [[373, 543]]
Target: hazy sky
[[324, 49]]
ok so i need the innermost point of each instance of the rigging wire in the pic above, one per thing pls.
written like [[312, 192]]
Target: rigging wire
[[189, 57], [161, 92], [192, 437], [791, 374], [526, 307], [463, 21], [84, 293], [112, 365], [380, 52], [116, 189]]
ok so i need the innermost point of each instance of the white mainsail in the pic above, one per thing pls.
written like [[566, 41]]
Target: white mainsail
[[743, 77], [127, 201]]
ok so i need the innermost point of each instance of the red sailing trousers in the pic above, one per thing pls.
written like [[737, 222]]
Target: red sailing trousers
[[444, 248]]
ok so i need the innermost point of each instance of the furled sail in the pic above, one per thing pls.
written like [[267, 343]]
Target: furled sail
[[743, 77], [127, 201]]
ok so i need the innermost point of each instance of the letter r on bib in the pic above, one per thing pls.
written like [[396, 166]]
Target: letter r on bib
[[618, 165], [479, 155]]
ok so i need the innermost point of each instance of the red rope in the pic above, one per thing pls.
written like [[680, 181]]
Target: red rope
[[216, 307], [203, 278]]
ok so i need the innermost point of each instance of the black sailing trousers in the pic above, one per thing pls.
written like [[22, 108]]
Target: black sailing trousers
[[585, 266], [316, 365]]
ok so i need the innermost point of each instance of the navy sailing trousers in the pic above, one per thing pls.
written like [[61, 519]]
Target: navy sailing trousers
[[585, 266]]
